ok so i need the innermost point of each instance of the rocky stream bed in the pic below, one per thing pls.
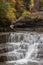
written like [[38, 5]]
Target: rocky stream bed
[[22, 48]]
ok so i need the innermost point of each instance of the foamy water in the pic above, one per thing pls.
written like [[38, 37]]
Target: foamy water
[[24, 49]]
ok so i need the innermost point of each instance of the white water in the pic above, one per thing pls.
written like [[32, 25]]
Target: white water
[[26, 49]]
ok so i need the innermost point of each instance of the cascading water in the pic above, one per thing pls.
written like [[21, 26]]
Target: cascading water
[[23, 48]]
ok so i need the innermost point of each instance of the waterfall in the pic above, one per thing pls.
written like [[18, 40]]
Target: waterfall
[[23, 48]]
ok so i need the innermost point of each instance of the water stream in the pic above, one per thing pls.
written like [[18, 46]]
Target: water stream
[[24, 48]]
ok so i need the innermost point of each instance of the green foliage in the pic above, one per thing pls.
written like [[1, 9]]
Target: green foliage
[[2, 10], [7, 8], [10, 13], [6, 11], [13, 11], [42, 1], [26, 13]]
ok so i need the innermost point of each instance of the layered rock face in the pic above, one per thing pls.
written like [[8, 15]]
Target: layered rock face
[[24, 48]]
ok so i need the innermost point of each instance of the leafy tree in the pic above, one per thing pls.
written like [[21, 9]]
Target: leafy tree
[[26, 4], [41, 1], [10, 13], [7, 11], [2, 10], [19, 8], [13, 9], [26, 13], [31, 4]]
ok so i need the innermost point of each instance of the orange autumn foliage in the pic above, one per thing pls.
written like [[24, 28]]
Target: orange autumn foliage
[[13, 1]]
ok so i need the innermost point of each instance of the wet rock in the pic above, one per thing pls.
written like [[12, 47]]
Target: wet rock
[[3, 58], [6, 48], [19, 46]]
